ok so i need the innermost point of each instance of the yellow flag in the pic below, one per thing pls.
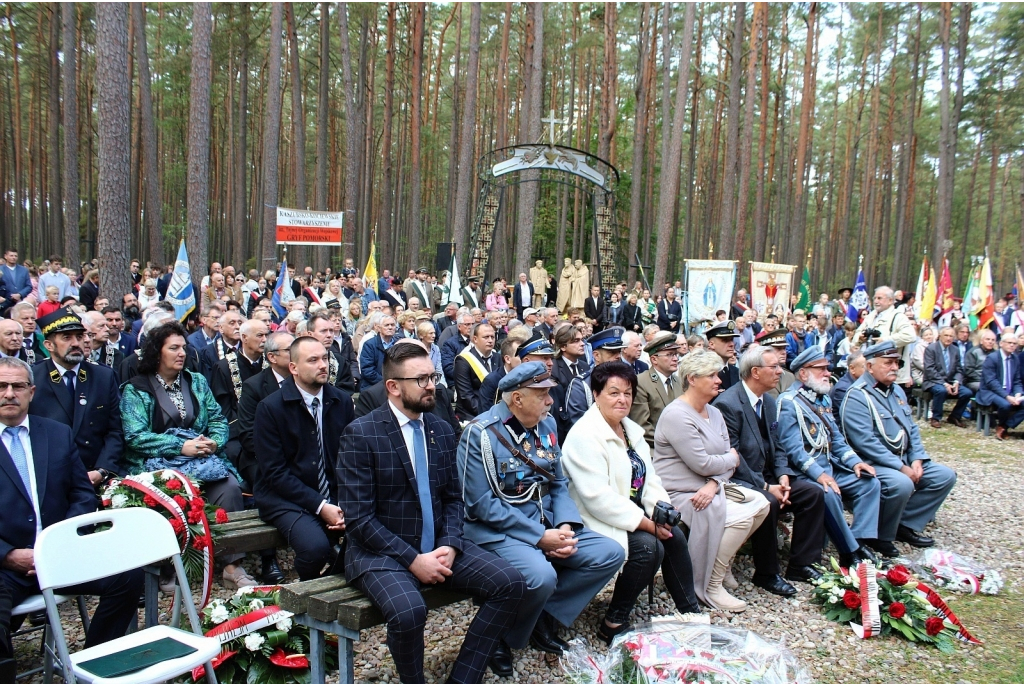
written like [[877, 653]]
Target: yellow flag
[[370, 272], [927, 298]]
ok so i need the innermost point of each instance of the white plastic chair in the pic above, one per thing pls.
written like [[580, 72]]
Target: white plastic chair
[[30, 606], [136, 537]]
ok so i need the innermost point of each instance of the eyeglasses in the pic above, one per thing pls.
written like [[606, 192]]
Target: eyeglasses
[[777, 367], [18, 387], [423, 381]]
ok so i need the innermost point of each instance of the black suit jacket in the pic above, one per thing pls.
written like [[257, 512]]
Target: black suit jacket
[[377, 396], [467, 386], [668, 313], [730, 376], [561, 373], [284, 436], [96, 424], [517, 303], [759, 460], [379, 497], [935, 368], [254, 391], [62, 486], [210, 356], [595, 311], [348, 365], [224, 392]]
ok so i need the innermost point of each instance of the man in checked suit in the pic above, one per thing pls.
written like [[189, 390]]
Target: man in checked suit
[[296, 434], [749, 412], [399, 487]]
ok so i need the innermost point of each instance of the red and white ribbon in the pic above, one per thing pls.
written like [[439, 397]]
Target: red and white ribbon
[[943, 611], [869, 611]]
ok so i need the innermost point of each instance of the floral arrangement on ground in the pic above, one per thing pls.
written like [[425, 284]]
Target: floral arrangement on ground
[[180, 500], [259, 641], [887, 602]]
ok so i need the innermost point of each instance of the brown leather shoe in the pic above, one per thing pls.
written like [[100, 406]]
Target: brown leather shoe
[[934, 423], [958, 422], [1001, 432]]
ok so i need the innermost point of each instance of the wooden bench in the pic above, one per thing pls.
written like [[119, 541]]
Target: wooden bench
[[984, 417], [244, 532], [331, 605], [924, 403]]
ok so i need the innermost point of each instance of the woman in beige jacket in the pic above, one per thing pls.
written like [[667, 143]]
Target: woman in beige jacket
[[695, 459], [616, 489]]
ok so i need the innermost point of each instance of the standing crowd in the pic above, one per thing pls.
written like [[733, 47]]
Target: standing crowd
[[520, 454]]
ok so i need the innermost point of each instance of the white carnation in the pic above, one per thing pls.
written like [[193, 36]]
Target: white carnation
[[219, 613], [167, 474], [284, 625], [118, 501], [244, 590], [253, 642], [256, 605], [146, 478]]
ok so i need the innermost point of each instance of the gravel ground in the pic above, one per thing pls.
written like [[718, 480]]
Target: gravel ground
[[981, 519]]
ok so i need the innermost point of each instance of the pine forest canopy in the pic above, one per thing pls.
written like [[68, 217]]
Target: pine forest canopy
[[831, 130]]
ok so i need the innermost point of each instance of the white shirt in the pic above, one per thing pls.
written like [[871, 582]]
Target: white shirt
[[408, 434], [663, 377], [524, 294], [279, 378], [308, 400], [751, 397], [26, 443]]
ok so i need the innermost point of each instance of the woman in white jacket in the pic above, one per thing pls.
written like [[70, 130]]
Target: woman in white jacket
[[612, 481]]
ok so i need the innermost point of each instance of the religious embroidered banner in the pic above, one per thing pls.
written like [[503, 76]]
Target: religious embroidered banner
[[771, 286], [709, 283]]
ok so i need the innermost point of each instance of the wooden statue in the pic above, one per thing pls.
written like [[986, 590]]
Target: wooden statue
[[539, 278], [565, 285]]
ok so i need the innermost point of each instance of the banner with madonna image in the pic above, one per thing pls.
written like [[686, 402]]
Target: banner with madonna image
[[709, 283], [771, 286]]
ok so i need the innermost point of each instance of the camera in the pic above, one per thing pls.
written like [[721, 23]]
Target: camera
[[870, 333], [665, 513]]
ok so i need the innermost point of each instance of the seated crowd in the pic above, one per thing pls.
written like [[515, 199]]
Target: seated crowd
[[526, 461]]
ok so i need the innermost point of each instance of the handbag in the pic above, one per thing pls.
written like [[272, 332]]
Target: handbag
[[737, 494], [208, 468]]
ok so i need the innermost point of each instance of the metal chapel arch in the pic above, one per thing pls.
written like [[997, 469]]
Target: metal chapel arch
[[578, 169]]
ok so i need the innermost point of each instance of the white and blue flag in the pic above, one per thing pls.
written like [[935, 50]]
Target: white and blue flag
[[859, 301], [181, 293]]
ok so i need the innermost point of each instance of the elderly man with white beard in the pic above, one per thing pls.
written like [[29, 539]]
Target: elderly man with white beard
[[817, 451]]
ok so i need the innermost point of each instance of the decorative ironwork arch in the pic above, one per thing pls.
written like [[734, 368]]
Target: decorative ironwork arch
[[578, 169]]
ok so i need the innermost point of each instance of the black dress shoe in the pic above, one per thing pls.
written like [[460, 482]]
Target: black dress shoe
[[552, 626], [803, 574], [607, 633], [501, 661], [885, 548], [776, 585], [272, 574], [544, 639], [913, 538], [864, 554]]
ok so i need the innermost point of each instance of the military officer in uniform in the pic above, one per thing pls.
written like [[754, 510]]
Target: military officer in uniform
[[538, 349], [657, 386], [518, 506], [607, 346], [879, 426], [722, 341], [817, 451], [777, 341]]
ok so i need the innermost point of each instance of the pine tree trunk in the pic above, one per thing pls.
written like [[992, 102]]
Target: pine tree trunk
[[415, 123], [353, 134], [198, 188], [72, 236], [54, 197], [464, 186], [529, 192], [646, 44], [385, 235], [322, 113], [669, 181], [239, 229], [904, 231], [949, 118], [798, 238], [609, 73], [301, 252], [727, 235], [271, 140], [757, 26], [114, 155], [151, 171]]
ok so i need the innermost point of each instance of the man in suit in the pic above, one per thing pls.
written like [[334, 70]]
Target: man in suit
[[229, 325], [471, 295], [658, 386], [854, 370], [90, 290], [10, 338], [471, 368], [975, 359], [722, 341], [395, 295], [522, 296], [322, 327], [99, 350], [80, 395], [670, 312], [400, 489], [508, 349], [117, 337], [749, 413], [880, 427], [632, 350], [446, 319], [818, 453], [32, 349], [594, 307], [1001, 385], [15, 277], [570, 359], [455, 343], [526, 515], [43, 482], [549, 317], [371, 357], [231, 373], [943, 377], [963, 341], [204, 336], [296, 433], [420, 288]]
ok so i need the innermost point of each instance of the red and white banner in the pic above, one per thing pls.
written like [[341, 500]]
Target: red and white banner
[[306, 227]]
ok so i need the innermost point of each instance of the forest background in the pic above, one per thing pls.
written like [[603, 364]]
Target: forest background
[[814, 132]]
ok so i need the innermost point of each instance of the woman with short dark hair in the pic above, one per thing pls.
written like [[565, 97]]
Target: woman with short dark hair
[[616, 489], [172, 421]]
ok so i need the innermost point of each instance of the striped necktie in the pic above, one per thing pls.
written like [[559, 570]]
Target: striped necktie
[[321, 470]]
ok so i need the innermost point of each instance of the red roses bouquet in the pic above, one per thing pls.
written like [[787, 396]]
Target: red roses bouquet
[[180, 500], [889, 602]]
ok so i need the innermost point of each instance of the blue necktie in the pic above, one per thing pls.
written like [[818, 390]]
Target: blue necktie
[[757, 408], [1007, 378], [423, 486], [18, 456]]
